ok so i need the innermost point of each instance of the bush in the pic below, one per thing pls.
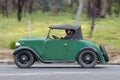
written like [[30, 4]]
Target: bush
[[12, 45]]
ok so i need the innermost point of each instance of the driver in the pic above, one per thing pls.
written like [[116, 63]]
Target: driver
[[69, 34]]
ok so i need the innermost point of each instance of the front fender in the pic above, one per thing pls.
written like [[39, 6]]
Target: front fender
[[29, 49]]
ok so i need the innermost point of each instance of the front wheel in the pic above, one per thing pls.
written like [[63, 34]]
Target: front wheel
[[24, 59], [87, 59]]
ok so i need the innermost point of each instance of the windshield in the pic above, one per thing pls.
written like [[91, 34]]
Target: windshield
[[58, 33]]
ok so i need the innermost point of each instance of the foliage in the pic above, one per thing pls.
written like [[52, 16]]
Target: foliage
[[107, 30], [12, 45]]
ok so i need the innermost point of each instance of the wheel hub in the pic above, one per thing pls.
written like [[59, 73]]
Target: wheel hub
[[88, 59], [24, 59]]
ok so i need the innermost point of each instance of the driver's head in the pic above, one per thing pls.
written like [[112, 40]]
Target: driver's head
[[69, 31]]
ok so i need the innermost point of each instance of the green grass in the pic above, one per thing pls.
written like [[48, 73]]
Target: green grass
[[107, 31]]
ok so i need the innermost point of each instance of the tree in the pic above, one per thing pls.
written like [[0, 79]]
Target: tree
[[92, 14], [23, 7], [117, 8], [114, 6], [99, 7], [20, 4], [14, 5], [30, 6], [79, 11], [109, 7], [103, 8], [45, 5], [96, 9], [4, 8]]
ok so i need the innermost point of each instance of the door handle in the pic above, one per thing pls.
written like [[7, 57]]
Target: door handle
[[65, 44]]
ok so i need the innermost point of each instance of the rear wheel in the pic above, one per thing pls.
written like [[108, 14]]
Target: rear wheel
[[87, 59], [24, 59]]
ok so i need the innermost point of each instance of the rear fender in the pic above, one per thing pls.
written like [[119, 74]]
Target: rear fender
[[92, 49]]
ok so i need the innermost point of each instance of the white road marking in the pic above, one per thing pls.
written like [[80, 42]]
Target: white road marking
[[45, 73]]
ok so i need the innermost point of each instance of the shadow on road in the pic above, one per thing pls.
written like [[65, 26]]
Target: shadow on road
[[62, 67]]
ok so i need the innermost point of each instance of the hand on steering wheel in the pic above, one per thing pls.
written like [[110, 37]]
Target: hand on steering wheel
[[55, 37]]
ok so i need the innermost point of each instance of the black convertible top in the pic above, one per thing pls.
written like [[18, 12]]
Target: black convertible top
[[64, 26], [77, 29]]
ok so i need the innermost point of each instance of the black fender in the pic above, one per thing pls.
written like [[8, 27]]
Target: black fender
[[37, 57], [105, 54], [92, 49]]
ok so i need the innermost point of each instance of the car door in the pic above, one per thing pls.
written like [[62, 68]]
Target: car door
[[73, 48], [55, 49]]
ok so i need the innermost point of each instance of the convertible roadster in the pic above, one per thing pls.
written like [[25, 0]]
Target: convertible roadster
[[50, 50]]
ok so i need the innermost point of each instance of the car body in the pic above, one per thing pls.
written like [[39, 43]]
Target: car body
[[48, 50]]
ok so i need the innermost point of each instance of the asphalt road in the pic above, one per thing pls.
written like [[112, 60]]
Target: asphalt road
[[59, 72]]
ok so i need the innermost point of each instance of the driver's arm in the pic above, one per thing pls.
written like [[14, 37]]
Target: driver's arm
[[55, 37]]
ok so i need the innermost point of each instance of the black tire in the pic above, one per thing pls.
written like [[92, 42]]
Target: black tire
[[87, 59], [24, 59], [105, 54]]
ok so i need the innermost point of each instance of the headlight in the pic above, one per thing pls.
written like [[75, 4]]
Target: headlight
[[17, 44]]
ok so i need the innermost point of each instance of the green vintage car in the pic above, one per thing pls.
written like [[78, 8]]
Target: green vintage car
[[49, 50]]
